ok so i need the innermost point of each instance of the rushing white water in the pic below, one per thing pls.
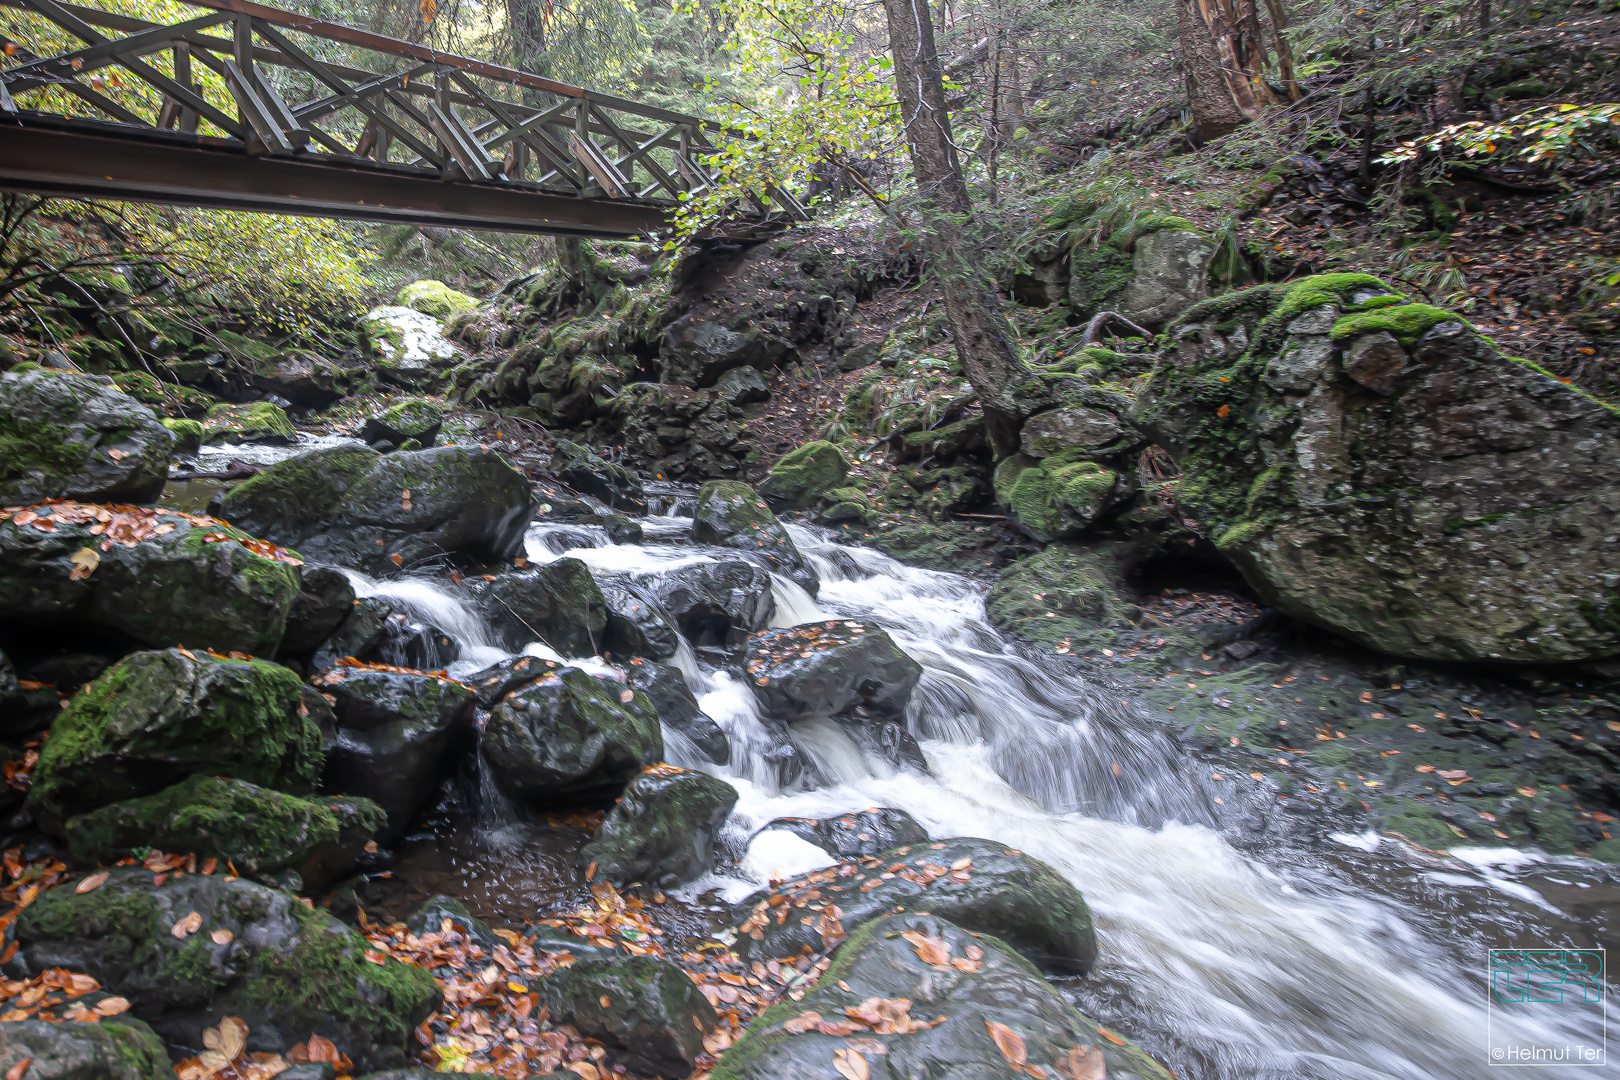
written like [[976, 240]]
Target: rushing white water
[[1230, 966]]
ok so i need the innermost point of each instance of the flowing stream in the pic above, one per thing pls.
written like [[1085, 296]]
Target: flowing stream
[[1230, 955]]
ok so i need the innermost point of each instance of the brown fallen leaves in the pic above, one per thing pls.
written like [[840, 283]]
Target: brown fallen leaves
[[227, 1059], [125, 525], [936, 952], [39, 998], [880, 1016], [1082, 1063], [335, 674]]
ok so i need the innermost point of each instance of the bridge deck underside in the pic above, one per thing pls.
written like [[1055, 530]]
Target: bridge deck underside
[[44, 155]]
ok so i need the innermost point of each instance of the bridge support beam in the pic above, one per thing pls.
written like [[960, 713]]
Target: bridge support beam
[[88, 159]]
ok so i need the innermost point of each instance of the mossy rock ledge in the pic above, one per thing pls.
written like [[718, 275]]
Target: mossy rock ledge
[[69, 436], [286, 970], [982, 982], [1379, 469], [731, 514], [354, 507]]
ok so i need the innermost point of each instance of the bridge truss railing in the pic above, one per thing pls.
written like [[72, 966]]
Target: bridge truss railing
[[283, 85]]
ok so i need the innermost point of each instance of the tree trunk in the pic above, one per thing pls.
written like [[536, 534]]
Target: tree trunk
[[1225, 55], [528, 22], [978, 328]]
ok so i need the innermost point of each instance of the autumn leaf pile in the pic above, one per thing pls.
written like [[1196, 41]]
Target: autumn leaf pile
[[339, 671], [125, 525]]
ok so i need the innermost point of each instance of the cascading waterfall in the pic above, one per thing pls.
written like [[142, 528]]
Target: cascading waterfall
[[1230, 966]]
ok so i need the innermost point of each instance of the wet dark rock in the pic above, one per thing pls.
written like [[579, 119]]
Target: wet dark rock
[[67, 672], [71, 436], [287, 971], [696, 352], [677, 707], [984, 983], [156, 718], [865, 832], [730, 514], [501, 678], [716, 603], [170, 588], [356, 508], [586, 471], [256, 829], [413, 418], [662, 830], [431, 916], [828, 668], [742, 386], [619, 529], [324, 601], [1382, 471], [421, 646], [305, 379], [558, 604], [121, 1048], [23, 710], [654, 1019], [396, 733], [977, 884], [356, 634], [569, 737], [635, 626]]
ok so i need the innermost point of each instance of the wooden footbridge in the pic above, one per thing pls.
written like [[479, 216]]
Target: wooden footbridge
[[248, 107]]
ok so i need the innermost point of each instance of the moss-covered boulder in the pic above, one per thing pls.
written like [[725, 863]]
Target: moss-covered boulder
[[870, 1006], [69, 436], [407, 347], [647, 1012], [558, 604], [975, 883], [1064, 593], [161, 577], [258, 422], [1059, 495], [587, 472], [828, 668], [257, 829], [119, 1048], [662, 830], [802, 475], [324, 602], [397, 734], [155, 718], [1149, 272], [287, 971], [414, 418], [731, 514], [435, 298], [865, 832], [678, 711], [188, 434], [571, 736], [1379, 469], [353, 507]]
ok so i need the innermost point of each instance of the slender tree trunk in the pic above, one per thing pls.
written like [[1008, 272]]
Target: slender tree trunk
[[978, 328], [1224, 54], [1285, 53]]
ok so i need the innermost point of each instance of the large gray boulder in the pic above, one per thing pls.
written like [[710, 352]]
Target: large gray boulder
[[570, 736], [697, 352], [117, 1048], [662, 830], [1379, 469], [731, 514], [161, 577], [712, 603], [978, 884], [647, 1011], [831, 667], [287, 971], [1171, 274], [64, 435], [354, 507], [155, 718], [558, 604], [915, 995], [395, 735]]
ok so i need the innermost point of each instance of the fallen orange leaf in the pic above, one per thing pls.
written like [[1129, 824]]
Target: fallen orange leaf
[[1009, 1042]]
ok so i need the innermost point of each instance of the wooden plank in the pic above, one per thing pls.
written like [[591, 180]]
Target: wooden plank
[[599, 166]]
